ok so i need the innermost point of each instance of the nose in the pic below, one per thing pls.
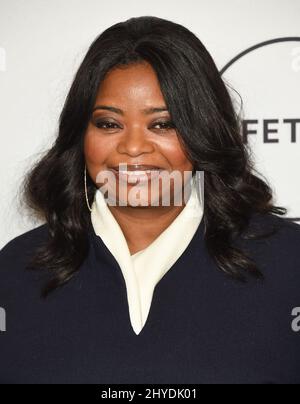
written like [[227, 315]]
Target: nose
[[134, 142]]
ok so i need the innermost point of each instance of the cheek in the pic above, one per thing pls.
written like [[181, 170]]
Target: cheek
[[174, 152], [96, 149]]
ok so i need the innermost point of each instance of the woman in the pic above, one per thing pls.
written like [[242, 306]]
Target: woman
[[117, 287]]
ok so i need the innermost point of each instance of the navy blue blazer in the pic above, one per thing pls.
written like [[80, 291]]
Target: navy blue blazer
[[203, 327]]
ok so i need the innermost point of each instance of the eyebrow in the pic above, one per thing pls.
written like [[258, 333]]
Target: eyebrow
[[146, 111]]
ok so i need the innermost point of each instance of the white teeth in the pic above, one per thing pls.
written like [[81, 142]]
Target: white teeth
[[133, 176], [138, 172]]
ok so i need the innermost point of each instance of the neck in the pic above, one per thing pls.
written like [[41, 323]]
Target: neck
[[142, 225]]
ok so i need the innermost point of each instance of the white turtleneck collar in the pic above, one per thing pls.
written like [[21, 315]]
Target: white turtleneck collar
[[143, 270]]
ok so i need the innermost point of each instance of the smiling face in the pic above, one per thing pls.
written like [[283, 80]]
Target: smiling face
[[130, 124]]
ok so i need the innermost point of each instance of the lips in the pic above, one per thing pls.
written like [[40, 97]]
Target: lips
[[135, 167], [134, 173]]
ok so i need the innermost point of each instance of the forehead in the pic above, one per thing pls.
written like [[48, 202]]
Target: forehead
[[136, 83]]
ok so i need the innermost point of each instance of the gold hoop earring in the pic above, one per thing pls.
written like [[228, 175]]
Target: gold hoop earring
[[85, 190]]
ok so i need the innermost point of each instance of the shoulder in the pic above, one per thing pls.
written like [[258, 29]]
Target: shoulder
[[282, 232], [278, 254], [24, 242], [18, 251]]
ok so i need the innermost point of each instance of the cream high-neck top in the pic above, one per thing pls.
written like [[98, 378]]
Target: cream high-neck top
[[143, 270]]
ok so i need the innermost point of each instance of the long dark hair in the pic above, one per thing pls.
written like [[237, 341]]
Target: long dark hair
[[210, 130]]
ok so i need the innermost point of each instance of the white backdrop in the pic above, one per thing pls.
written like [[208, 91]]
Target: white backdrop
[[42, 44]]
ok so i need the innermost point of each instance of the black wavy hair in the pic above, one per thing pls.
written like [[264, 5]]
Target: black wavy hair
[[209, 127]]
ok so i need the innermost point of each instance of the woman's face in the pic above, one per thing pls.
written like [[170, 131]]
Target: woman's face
[[127, 134]]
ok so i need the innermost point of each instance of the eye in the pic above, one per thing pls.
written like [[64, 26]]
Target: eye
[[168, 125], [106, 125]]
